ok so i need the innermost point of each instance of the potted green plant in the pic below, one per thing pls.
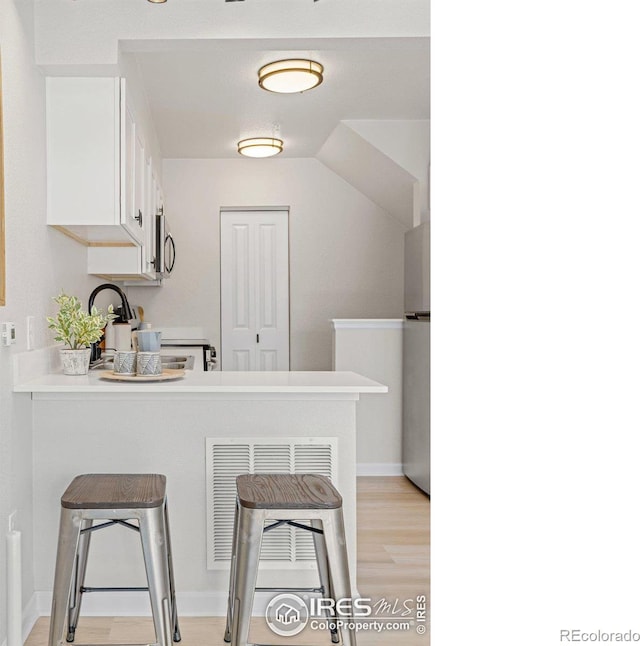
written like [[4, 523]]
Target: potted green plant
[[77, 329]]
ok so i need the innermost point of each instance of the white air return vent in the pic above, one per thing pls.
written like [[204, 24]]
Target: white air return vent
[[231, 457]]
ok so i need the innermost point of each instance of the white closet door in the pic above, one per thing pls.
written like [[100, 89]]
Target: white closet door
[[254, 291]]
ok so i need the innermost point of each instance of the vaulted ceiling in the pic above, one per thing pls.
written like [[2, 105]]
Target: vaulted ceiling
[[204, 96]]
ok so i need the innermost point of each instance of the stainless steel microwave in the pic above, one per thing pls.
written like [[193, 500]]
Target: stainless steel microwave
[[165, 246]]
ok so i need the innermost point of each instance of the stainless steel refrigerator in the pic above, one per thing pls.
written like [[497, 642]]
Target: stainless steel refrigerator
[[416, 350]]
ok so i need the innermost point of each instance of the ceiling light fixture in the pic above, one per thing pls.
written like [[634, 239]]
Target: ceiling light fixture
[[157, 1], [260, 147], [288, 76]]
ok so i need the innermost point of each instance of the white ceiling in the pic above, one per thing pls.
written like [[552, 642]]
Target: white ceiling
[[204, 95]]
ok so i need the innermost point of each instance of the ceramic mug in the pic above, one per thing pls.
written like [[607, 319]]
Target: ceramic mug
[[148, 363], [124, 362], [147, 340]]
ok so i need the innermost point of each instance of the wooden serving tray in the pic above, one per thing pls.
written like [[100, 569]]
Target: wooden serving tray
[[167, 373]]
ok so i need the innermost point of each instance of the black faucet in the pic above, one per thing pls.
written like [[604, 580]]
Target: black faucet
[[124, 311]]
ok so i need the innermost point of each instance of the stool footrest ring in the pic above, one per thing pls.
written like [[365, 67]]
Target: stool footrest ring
[[128, 589], [318, 590]]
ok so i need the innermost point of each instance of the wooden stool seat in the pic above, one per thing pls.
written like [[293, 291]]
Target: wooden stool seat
[[115, 491], [287, 491]]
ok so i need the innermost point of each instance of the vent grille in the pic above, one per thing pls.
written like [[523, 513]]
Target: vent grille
[[230, 457]]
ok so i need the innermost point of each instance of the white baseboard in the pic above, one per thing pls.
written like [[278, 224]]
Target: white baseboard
[[378, 469], [136, 604]]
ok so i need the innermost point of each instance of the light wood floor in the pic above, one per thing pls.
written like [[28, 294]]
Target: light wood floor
[[393, 563]]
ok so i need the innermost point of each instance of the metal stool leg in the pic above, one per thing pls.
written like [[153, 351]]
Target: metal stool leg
[[80, 569], [232, 577], [154, 547], [338, 564], [172, 584], [250, 524], [68, 536], [323, 573]]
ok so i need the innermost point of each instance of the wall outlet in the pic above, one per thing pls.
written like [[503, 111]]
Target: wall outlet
[[31, 332]]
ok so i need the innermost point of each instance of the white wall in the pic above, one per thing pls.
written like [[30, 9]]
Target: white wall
[[39, 263], [373, 348], [346, 254], [407, 143], [371, 171]]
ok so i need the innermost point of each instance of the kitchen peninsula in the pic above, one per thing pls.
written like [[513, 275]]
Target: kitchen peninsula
[[200, 431]]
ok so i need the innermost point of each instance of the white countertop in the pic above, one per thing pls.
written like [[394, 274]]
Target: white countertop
[[212, 382], [366, 324]]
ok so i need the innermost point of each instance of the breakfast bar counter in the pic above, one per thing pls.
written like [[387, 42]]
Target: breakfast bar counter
[[227, 382], [200, 431]]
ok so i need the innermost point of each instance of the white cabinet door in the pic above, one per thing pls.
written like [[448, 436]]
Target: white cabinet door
[[83, 152], [148, 247], [132, 169], [139, 196], [128, 164], [254, 291]]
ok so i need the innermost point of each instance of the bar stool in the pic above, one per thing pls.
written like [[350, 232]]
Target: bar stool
[[285, 499], [116, 499]]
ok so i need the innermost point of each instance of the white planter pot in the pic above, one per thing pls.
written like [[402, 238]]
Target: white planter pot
[[75, 362]]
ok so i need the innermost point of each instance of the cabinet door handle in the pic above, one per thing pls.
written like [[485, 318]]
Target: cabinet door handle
[[257, 338], [139, 217]]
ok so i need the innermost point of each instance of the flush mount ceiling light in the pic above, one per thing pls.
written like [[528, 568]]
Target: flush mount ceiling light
[[260, 147], [293, 75]]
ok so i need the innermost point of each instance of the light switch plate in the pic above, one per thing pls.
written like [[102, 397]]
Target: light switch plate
[[8, 333]]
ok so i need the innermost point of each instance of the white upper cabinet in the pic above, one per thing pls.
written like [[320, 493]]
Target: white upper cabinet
[[101, 185], [86, 163]]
